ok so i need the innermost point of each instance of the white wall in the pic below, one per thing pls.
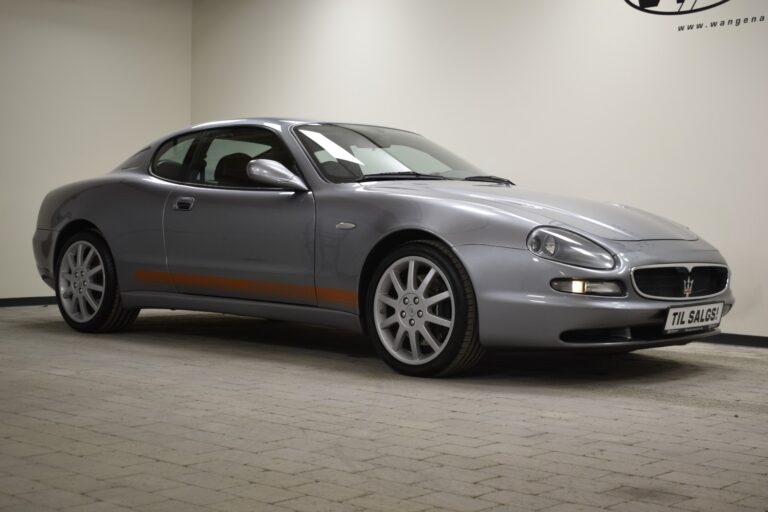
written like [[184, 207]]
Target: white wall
[[588, 97], [83, 84]]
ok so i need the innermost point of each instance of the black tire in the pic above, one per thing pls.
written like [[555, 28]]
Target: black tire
[[110, 316], [462, 349]]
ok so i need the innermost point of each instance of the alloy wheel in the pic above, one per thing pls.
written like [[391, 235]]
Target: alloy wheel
[[414, 310], [81, 281]]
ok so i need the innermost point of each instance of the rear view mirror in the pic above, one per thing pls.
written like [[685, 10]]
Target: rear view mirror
[[274, 174]]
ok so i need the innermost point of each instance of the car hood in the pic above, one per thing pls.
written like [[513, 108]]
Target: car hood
[[605, 220]]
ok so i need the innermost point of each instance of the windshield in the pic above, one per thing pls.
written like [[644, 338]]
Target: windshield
[[346, 153]]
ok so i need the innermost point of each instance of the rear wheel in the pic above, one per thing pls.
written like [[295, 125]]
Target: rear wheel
[[86, 286], [421, 311]]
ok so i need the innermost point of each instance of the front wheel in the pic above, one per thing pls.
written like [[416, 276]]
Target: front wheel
[[421, 311], [86, 286]]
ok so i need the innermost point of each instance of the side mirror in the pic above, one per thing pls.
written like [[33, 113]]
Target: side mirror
[[275, 174]]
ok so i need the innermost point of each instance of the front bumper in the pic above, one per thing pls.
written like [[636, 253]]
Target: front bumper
[[518, 309]]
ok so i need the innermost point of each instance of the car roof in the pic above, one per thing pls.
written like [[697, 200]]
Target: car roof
[[256, 121], [277, 123]]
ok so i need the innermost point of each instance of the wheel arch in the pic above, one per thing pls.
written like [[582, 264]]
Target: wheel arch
[[74, 226], [379, 250]]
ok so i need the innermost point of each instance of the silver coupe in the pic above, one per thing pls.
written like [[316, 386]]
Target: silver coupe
[[373, 229]]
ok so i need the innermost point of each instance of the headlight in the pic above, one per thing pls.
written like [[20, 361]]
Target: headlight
[[567, 247]]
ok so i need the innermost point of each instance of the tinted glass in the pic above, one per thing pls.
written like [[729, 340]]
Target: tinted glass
[[227, 153], [223, 147], [347, 153], [171, 157]]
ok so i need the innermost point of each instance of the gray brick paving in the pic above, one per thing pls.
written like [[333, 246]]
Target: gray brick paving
[[194, 412]]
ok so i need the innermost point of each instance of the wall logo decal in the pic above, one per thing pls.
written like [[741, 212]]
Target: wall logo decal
[[671, 7]]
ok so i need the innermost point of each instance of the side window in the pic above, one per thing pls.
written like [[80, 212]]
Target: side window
[[228, 152], [222, 148], [170, 158]]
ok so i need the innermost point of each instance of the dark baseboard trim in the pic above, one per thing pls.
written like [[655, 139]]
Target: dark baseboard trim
[[27, 301], [738, 339], [720, 339]]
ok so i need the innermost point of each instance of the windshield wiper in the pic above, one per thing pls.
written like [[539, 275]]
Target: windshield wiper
[[399, 175], [490, 179]]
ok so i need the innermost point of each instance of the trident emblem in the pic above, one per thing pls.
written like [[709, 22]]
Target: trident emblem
[[688, 287]]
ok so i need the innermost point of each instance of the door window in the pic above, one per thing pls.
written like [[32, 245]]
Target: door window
[[226, 154]]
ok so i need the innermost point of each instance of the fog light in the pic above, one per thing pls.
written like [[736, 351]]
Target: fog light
[[589, 287]]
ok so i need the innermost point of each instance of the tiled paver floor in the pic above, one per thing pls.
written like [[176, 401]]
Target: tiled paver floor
[[191, 412]]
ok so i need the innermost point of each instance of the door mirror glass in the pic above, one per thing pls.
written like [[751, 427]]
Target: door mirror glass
[[274, 174]]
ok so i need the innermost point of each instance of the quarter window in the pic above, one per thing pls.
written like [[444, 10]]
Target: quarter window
[[171, 157]]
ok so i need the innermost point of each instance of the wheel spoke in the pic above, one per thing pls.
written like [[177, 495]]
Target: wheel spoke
[[71, 260], [397, 343], [429, 301], [429, 338], [415, 352], [79, 258], [388, 321], [389, 301], [425, 282], [88, 257], [411, 279], [81, 306], [434, 319], [66, 275], [396, 283], [94, 287], [95, 270], [69, 302], [91, 301]]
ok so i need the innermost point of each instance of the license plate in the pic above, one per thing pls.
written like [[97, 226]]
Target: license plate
[[693, 318]]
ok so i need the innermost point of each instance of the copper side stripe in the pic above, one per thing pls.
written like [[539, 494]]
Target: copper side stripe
[[264, 288], [341, 297]]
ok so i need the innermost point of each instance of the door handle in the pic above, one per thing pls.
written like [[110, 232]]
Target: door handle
[[184, 203]]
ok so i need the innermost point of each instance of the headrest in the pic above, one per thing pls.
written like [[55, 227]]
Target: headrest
[[233, 168]]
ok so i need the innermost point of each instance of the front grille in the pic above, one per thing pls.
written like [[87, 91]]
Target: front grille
[[680, 282]]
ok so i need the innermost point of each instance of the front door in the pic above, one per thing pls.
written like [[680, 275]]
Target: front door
[[227, 236]]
